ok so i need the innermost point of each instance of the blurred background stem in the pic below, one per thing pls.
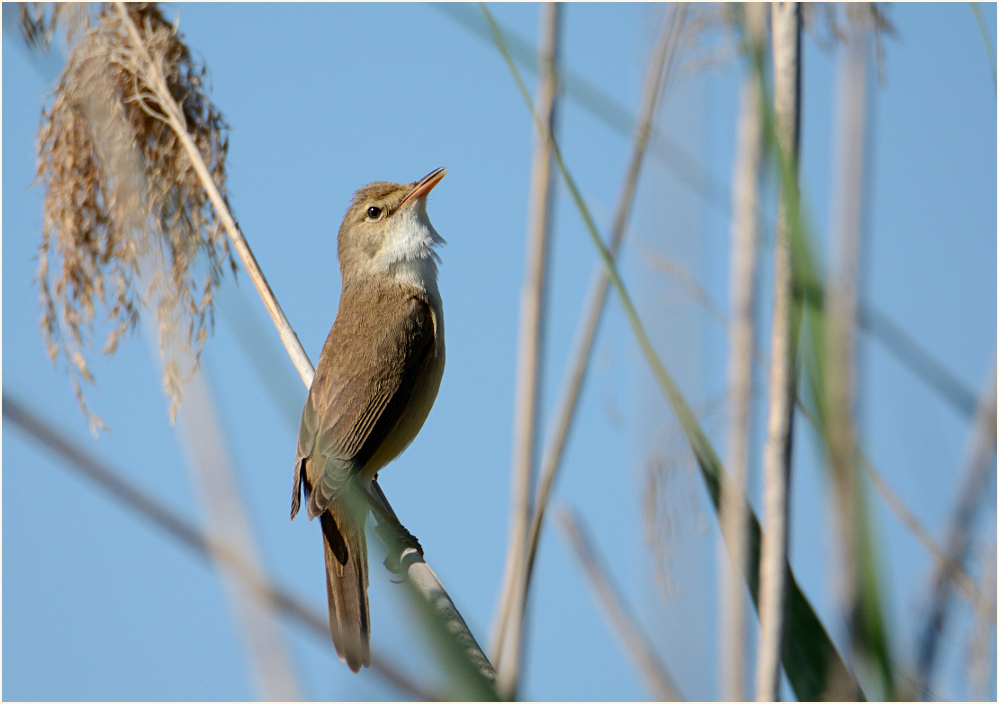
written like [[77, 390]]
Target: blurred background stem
[[841, 307], [635, 643], [810, 658], [980, 465], [206, 545], [219, 496], [689, 171], [858, 576], [656, 78], [742, 299], [990, 49]]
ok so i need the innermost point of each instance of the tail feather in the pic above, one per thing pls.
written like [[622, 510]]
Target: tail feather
[[347, 584]]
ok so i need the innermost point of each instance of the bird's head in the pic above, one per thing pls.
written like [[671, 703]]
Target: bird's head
[[387, 233]]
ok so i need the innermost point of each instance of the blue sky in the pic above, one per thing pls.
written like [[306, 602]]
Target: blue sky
[[325, 98]]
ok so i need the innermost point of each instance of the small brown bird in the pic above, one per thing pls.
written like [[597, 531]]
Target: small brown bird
[[376, 381]]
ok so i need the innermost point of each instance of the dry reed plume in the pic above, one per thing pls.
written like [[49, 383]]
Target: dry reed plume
[[120, 193]]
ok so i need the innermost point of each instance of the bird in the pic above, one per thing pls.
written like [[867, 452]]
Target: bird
[[377, 378]]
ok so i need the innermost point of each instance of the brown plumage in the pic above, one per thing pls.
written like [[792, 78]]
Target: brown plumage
[[375, 383]]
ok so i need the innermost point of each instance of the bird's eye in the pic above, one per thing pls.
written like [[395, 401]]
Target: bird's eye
[[374, 213]]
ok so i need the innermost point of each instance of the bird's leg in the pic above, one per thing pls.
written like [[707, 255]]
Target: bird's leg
[[392, 532]]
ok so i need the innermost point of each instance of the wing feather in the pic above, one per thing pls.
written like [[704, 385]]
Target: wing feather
[[360, 391]]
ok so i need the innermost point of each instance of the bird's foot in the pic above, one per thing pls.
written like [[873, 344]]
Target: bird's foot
[[399, 541]]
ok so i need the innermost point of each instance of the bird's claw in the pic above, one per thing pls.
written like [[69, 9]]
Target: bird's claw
[[398, 540], [409, 540]]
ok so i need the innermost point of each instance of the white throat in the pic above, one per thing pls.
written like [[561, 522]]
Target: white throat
[[407, 255]]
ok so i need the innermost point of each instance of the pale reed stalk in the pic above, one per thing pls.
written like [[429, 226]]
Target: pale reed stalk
[[786, 32], [530, 355], [742, 296], [211, 471], [176, 121], [558, 433]]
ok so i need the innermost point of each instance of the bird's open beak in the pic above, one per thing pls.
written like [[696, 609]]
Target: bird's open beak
[[424, 185]]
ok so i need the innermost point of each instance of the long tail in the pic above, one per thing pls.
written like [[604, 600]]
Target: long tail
[[347, 584]]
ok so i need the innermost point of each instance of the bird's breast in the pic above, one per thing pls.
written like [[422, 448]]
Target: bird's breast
[[421, 400]]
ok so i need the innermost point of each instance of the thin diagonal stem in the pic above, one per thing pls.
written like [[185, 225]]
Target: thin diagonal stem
[[212, 475], [642, 653], [986, 40], [927, 368], [206, 546], [962, 581], [577, 88], [176, 121], [980, 465]]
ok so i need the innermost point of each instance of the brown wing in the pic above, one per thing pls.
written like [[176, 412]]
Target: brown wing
[[372, 358]]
